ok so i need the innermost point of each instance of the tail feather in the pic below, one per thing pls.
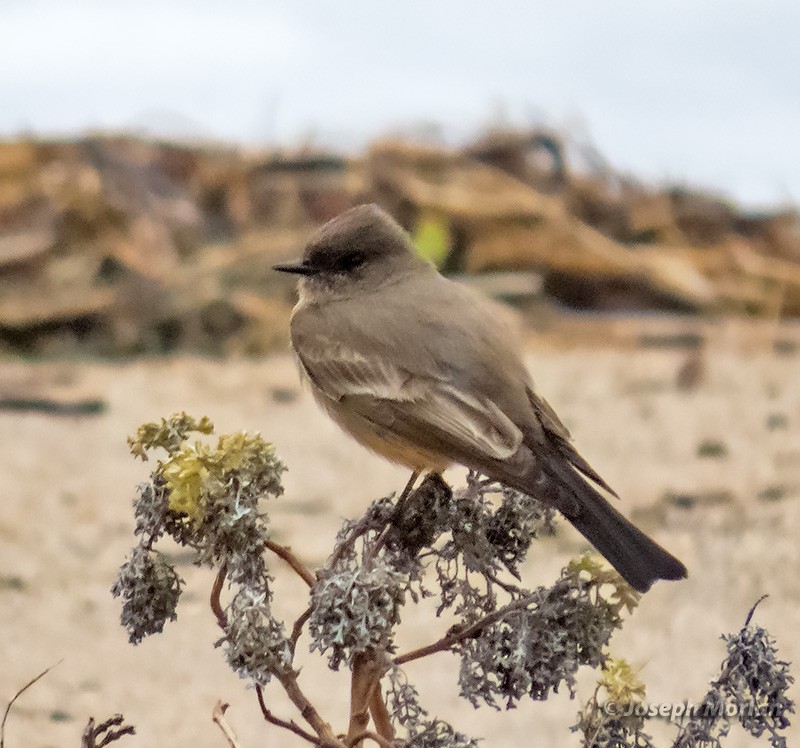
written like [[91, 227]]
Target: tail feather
[[638, 558]]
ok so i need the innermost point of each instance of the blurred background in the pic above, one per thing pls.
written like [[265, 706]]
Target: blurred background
[[158, 157], [624, 175]]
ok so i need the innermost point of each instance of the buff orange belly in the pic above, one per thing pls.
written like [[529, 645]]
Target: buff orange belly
[[381, 440]]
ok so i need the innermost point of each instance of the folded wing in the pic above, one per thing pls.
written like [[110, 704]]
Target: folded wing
[[428, 412]]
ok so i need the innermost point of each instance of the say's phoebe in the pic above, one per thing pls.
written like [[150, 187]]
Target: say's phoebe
[[425, 372]]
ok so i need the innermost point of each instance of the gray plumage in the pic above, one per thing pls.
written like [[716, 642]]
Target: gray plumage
[[427, 373]]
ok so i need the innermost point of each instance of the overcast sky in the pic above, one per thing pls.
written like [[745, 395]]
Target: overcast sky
[[699, 91]]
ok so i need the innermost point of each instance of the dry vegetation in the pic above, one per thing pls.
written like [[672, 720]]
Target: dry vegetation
[[124, 248], [702, 444], [119, 246]]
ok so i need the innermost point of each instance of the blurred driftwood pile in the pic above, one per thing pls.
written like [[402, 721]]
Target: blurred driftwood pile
[[117, 246]]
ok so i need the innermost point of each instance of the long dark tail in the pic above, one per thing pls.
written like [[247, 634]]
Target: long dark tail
[[638, 558], [633, 554]]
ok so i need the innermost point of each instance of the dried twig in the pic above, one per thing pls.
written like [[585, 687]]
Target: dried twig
[[361, 686], [459, 634], [17, 695], [297, 628], [380, 714], [369, 735], [288, 680], [216, 591], [361, 528], [286, 554], [753, 610], [290, 725], [367, 671], [92, 733], [218, 716]]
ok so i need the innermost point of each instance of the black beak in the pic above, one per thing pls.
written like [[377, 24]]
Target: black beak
[[297, 267]]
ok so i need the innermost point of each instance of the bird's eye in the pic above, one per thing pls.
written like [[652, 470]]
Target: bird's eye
[[350, 261]]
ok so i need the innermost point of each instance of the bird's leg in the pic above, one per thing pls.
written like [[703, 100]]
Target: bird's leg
[[398, 510], [401, 501]]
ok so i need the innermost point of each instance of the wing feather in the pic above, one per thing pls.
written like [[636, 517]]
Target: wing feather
[[430, 412]]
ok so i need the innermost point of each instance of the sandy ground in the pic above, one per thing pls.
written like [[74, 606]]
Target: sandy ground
[[713, 473]]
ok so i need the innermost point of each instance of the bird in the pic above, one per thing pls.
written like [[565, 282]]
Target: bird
[[427, 373]]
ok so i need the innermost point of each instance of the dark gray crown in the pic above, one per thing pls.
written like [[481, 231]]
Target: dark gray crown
[[355, 238]]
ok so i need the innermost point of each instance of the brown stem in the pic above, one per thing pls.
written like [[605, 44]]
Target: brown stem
[[510, 588], [216, 591], [87, 739], [369, 735], [286, 554], [297, 629], [360, 688], [110, 731], [451, 639], [380, 714], [288, 679], [367, 670], [291, 725], [345, 546], [218, 717], [17, 695]]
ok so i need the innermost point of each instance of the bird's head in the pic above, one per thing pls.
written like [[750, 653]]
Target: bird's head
[[359, 251]]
